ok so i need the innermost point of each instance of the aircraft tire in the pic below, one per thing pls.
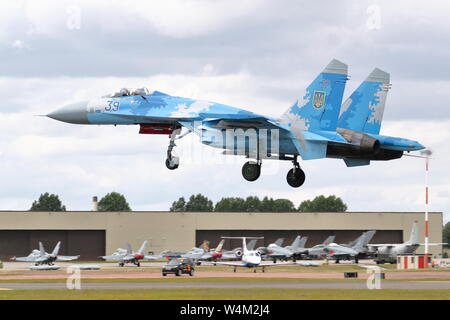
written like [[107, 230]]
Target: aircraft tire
[[171, 166], [295, 178], [251, 171]]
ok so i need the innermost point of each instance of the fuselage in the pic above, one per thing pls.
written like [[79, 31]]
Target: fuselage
[[214, 122]]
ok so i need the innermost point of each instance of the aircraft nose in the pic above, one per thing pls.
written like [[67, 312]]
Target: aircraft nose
[[419, 146], [73, 113]]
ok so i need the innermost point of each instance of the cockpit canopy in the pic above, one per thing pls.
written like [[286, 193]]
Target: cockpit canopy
[[127, 92]]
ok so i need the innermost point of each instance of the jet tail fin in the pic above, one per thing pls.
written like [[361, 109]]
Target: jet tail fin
[[329, 240], [251, 244], [318, 108], [414, 236], [129, 250], [220, 246], [302, 243], [142, 248], [56, 250], [363, 110], [279, 242], [41, 248], [296, 242]]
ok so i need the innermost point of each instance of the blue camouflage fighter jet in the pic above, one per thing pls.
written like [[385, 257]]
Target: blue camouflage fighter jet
[[316, 126]]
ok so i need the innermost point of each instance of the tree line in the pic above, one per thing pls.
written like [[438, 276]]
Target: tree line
[[200, 203]]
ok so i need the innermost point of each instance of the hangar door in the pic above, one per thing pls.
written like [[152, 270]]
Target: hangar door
[[89, 244]]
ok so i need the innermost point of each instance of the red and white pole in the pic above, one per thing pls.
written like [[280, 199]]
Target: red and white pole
[[426, 211]]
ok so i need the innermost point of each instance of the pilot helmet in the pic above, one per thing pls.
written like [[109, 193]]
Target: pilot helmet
[[124, 92]]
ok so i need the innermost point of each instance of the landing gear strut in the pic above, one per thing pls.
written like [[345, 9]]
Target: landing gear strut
[[296, 176], [172, 162]]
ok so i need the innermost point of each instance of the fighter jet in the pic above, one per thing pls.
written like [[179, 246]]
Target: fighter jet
[[352, 251], [314, 127], [275, 251], [124, 256], [204, 253], [388, 252], [40, 257]]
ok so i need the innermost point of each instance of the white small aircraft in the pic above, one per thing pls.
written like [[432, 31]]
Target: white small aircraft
[[250, 258]]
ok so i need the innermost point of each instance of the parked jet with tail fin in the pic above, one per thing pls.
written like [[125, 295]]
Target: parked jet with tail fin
[[123, 256], [314, 127], [388, 252], [40, 257], [275, 251]]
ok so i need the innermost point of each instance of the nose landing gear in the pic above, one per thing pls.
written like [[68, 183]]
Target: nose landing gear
[[172, 162], [296, 176]]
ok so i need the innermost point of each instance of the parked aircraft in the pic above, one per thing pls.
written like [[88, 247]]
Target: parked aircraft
[[351, 251], [314, 127], [275, 251], [204, 254], [40, 257], [236, 253], [387, 252], [249, 259], [123, 256]]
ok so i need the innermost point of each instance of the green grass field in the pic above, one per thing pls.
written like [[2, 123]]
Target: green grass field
[[186, 279], [227, 294]]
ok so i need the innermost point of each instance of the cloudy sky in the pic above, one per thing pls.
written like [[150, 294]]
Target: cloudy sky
[[254, 54]]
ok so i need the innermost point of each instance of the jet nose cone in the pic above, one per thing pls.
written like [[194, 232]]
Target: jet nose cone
[[419, 146], [73, 113]]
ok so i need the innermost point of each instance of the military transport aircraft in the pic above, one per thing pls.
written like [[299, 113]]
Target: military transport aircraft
[[388, 252], [40, 257], [314, 127], [123, 256]]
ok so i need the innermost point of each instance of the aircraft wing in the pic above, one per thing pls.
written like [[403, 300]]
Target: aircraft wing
[[434, 244], [112, 258], [230, 123], [153, 256], [388, 245], [28, 259], [67, 258]]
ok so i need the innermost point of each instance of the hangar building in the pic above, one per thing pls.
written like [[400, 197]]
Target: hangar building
[[91, 234]]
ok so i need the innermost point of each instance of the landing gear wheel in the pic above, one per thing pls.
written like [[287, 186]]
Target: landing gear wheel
[[138, 264], [171, 164], [295, 177], [251, 171]]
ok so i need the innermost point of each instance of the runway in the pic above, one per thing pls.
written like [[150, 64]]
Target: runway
[[408, 285]]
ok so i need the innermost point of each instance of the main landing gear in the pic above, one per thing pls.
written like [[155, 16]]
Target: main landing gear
[[251, 171], [296, 176]]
